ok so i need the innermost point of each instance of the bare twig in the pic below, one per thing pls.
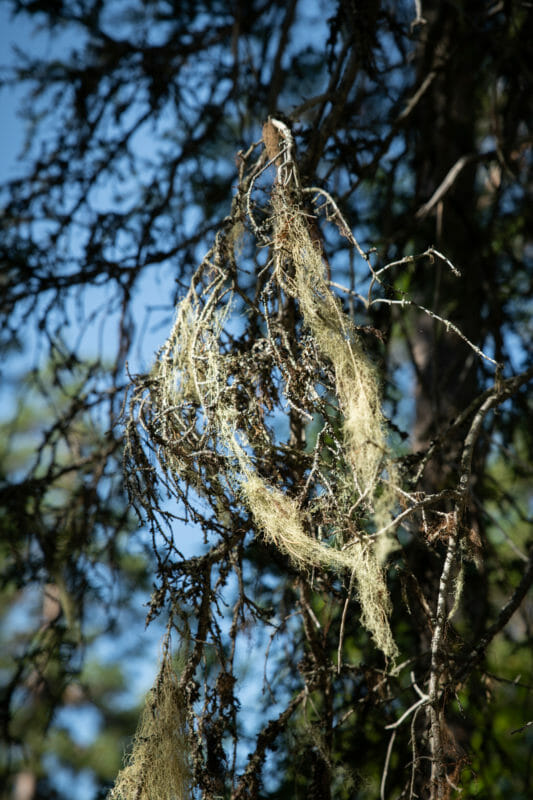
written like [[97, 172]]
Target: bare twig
[[477, 653], [421, 701], [438, 777], [420, 92], [265, 740], [425, 502], [419, 19], [450, 179], [343, 620], [343, 226], [386, 766], [523, 728], [503, 388], [445, 186], [404, 302], [493, 521]]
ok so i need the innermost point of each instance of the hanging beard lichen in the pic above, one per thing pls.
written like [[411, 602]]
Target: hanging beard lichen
[[216, 395], [280, 519], [356, 382], [158, 766]]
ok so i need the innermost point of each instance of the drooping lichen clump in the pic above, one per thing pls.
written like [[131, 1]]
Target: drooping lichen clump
[[158, 764], [356, 381], [216, 398]]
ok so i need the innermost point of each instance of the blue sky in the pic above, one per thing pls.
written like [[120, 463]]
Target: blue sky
[[141, 670], [13, 32]]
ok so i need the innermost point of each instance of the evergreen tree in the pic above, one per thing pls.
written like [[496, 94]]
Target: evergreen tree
[[331, 448]]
